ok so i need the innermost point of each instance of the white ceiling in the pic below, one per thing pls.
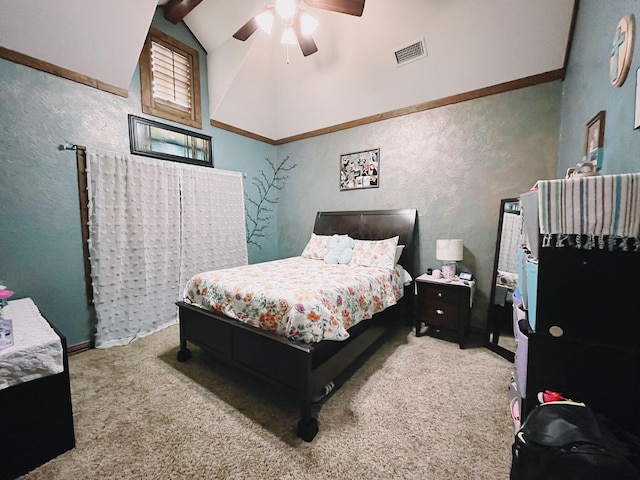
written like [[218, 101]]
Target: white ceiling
[[471, 44], [97, 38]]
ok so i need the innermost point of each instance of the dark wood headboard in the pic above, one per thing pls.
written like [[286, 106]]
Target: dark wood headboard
[[374, 225]]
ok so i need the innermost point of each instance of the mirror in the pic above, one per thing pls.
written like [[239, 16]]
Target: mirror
[[505, 279]]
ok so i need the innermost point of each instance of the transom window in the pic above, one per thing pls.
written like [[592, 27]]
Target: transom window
[[170, 80]]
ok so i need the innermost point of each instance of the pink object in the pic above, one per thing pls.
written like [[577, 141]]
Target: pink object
[[549, 396], [515, 413], [4, 294]]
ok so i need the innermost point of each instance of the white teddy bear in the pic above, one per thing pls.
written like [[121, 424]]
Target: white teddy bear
[[340, 249]]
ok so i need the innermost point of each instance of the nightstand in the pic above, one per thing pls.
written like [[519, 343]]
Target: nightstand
[[443, 304]]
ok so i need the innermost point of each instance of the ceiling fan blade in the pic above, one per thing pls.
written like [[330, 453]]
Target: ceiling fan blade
[[350, 7], [176, 10], [307, 45], [246, 30]]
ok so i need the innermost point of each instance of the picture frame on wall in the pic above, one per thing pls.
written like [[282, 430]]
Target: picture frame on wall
[[166, 142], [360, 170], [594, 140]]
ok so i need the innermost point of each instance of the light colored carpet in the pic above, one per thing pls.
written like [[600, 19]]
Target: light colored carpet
[[418, 408]]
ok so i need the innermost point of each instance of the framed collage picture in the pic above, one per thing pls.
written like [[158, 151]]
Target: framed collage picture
[[360, 170]]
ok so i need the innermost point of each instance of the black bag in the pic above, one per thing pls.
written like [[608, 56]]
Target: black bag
[[565, 441]]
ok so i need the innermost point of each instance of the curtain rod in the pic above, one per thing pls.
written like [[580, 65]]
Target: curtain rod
[[73, 146], [70, 146]]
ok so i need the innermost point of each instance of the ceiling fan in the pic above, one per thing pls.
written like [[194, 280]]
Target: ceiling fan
[[299, 24]]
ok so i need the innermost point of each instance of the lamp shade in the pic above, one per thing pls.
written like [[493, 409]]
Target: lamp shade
[[286, 8], [265, 21], [449, 250], [288, 37]]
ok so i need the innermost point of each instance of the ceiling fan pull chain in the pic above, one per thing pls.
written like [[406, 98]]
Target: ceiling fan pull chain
[[287, 54]]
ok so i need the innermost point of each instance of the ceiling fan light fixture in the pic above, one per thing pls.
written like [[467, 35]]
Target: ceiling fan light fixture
[[286, 8], [288, 37], [265, 21], [308, 24]]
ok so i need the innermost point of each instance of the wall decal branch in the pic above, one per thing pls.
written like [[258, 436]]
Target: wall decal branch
[[267, 184]]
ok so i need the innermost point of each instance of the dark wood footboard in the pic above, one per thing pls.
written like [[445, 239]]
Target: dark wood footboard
[[292, 366]]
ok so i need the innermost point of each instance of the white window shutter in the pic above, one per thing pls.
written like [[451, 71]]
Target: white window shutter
[[171, 76]]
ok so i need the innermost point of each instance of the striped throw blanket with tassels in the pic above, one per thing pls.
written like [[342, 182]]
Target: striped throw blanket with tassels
[[601, 211]]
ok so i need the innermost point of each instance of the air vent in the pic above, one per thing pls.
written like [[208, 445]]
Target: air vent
[[410, 53]]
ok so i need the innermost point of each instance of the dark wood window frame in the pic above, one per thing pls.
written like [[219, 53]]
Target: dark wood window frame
[[158, 108]]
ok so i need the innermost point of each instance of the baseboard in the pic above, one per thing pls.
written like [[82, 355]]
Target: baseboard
[[79, 348]]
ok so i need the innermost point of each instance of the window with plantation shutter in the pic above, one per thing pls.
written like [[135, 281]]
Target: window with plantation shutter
[[170, 80], [171, 76]]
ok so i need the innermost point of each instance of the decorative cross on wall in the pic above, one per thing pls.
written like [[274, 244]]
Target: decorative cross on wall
[[621, 51], [618, 42]]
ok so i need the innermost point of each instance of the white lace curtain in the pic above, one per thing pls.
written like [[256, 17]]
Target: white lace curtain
[[152, 225]]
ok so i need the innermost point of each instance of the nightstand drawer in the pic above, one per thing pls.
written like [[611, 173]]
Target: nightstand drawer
[[441, 314], [444, 295]]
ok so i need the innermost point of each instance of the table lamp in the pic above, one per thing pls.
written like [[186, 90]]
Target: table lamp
[[449, 251]]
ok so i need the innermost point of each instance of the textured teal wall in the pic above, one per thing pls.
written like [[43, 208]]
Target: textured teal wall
[[453, 164], [40, 238], [587, 90]]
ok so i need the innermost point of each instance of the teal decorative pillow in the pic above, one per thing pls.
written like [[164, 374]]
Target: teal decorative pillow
[[340, 249]]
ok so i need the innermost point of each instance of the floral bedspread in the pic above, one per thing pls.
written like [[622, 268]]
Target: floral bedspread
[[299, 298]]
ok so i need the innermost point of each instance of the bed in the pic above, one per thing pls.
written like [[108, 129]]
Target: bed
[[301, 367]]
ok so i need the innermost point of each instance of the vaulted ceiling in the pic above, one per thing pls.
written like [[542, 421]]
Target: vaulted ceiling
[[471, 45]]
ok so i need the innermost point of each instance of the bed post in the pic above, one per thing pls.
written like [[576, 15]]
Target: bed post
[[307, 425], [184, 353]]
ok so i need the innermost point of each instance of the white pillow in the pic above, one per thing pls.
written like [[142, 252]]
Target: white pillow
[[317, 247], [399, 250], [375, 253]]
